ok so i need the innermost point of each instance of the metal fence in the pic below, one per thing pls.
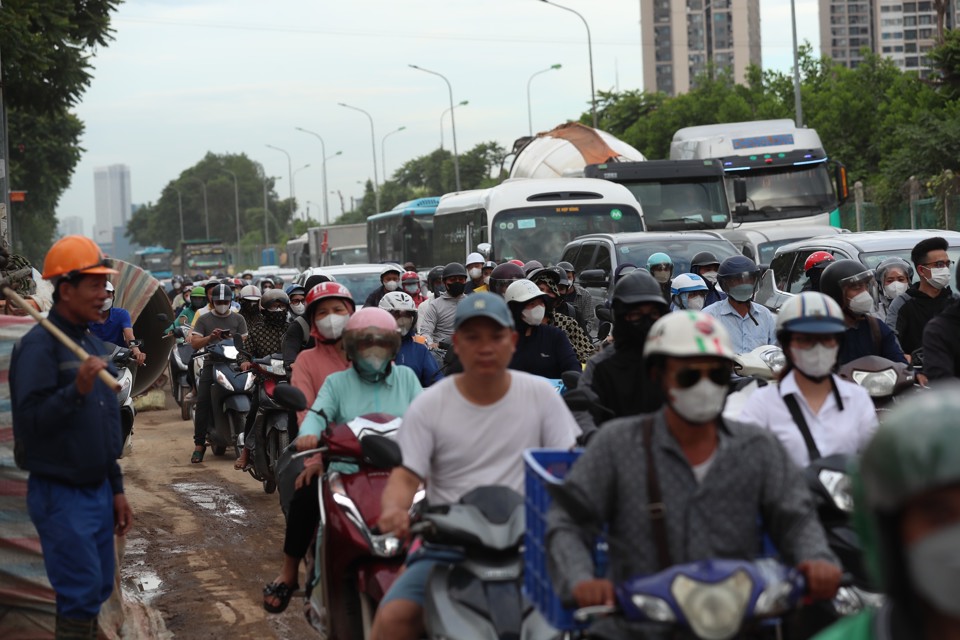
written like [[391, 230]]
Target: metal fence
[[919, 213]]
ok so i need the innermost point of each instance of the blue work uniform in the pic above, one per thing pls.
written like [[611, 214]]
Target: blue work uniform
[[69, 442], [748, 332]]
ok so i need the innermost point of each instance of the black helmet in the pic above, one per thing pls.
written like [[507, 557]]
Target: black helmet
[[636, 287], [546, 273], [503, 275], [841, 270], [566, 266], [274, 295], [222, 292], [432, 276], [702, 259], [454, 269], [737, 266], [531, 265]]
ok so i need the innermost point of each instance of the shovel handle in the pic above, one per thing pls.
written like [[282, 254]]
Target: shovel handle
[[77, 350]]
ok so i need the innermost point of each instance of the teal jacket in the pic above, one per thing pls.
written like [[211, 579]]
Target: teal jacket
[[344, 396]]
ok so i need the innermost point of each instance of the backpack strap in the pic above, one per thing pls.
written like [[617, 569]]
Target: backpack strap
[[794, 407], [655, 506], [875, 334], [306, 329]]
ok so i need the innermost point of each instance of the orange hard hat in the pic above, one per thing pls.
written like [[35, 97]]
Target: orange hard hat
[[73, 255]]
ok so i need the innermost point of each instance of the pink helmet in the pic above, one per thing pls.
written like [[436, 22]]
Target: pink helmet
[[371, 326], [371, 318]]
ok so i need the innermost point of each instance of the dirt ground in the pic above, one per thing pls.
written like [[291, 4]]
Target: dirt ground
[[206, 538]]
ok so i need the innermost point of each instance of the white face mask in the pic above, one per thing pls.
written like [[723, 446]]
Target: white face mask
[[710, 276], [861, 304], [486, 279], [815, 362], [534, 316], [474, 273], [404, 325], [700, 403], [661, 276], [695, 302], [107, 304], [221, 309], [298, 309], [934, 571], [939, 277], [331, 325], [894, 289], [391, 285]]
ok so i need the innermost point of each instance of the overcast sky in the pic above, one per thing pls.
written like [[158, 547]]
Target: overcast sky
[[184, 77]]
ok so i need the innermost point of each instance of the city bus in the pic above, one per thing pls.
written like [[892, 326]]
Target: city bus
[[530, 218], [403, 234], [157, 261], [784, 169]]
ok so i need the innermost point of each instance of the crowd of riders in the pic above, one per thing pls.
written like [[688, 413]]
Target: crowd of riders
[[656, 355]]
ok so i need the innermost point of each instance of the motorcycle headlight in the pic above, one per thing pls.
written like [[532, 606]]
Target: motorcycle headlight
[[222, 379], [837, 485], [878, 384], [248, 383], [655, 609], [715, 611], [774, 359]]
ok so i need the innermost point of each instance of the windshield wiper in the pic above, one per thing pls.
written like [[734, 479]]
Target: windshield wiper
[[691, 222]]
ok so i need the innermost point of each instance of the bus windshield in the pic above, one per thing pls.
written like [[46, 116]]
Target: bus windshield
[[156, 262], [541, 233], [785, 191], [670, 205]]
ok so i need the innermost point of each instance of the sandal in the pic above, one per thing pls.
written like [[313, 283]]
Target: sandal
[[243, 462], [281, 591], [197, 455]]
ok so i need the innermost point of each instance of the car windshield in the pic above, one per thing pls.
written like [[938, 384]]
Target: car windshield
[[681, 251], [785, 191], [360, 284]]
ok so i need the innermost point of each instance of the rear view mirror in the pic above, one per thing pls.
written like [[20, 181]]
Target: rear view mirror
[[604, 313], [570, 379], [594, 278], [289, 397], [604, 330], [739, 190], [381, 451]]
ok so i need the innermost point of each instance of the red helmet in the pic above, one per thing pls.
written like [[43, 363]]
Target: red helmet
[[817, 258], [326, 290], [519, 263], [408, 276]]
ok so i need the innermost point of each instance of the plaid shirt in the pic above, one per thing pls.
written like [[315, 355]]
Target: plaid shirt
[[586, 310]]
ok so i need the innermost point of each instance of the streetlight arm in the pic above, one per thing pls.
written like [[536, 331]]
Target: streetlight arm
[[453, 122], [373, 146], [593, 94]]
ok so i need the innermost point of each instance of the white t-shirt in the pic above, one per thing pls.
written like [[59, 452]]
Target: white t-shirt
[[456, 445], [834, 431]]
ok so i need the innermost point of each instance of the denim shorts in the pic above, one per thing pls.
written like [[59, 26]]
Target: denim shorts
[[412, 583]]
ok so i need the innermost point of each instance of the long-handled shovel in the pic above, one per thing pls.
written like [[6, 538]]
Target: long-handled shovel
[[68, 342]]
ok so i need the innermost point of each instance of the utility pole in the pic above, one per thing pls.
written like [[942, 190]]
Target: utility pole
[[6, 233]]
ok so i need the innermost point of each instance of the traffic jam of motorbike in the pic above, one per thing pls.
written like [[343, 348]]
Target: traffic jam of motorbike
[[492, 463]]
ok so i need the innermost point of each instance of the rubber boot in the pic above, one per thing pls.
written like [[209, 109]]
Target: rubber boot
[[70, 629]]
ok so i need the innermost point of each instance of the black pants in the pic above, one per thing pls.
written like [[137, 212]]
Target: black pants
[[204, 409], [302, 519]]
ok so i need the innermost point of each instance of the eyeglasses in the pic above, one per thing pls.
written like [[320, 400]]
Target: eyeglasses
[[276, 306], [939, 264], [686, 378]]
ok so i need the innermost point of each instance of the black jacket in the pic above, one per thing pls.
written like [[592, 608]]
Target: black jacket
[[916, 312], [941, 344], [545, 352]]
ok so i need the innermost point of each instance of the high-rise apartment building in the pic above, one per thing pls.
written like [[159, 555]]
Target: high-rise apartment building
[[680, 38], [901, 31], [111, 190], [70, 226]]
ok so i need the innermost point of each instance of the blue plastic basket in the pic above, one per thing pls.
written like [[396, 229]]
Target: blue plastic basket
[[543, 467]]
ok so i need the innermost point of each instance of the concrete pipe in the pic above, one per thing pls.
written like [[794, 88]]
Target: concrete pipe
[[142, 295]]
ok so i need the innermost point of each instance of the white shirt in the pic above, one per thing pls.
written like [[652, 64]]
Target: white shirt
[[757, 328], [834, 431]]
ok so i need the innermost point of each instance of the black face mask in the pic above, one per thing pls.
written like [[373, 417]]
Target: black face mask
[[198, 304], [631, 335], [455, 289]]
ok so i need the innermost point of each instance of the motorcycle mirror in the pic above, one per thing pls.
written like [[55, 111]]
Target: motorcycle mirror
[[577, 400], [603, 313], [604, 330], [290, 397], [381, 451], [570, 379]]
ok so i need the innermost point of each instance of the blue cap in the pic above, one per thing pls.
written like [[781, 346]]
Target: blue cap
[[483, 305]]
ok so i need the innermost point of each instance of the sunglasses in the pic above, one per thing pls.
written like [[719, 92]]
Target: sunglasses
[[686, 378]]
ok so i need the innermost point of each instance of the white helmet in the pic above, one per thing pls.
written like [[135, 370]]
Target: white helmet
[[687, 282], [522, 291], [688, 334], [398, 301], [811, 312], [390, 268], [474, 258], [250, 292]]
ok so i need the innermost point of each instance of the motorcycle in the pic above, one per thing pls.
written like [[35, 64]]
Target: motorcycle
[[122, 357], [883, 379], [229, 395], [272, 431], [351, 565], [479, 595], [751, 371], [179, 364]]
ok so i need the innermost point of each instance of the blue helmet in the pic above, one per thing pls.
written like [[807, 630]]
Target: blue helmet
[[687, 282], [658, 258], [737, 266]]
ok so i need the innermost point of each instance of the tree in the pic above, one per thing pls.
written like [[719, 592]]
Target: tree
[[47, 50]]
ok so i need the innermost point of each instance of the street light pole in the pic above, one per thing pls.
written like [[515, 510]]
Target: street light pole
[[236, 203], [206, 211], [383, 152], [529, 108], [453, 121], [326, 212], [796, 66], [180, 209], [294, 176], [266, 211], [373, 146], [323, 151], [289, 175], [462, 103], [593, 95]]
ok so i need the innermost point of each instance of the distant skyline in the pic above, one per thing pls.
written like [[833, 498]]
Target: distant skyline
[[184, 77]]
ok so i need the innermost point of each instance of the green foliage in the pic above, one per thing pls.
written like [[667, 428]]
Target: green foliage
[[47, 50], [945, 57], [159, 224]]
